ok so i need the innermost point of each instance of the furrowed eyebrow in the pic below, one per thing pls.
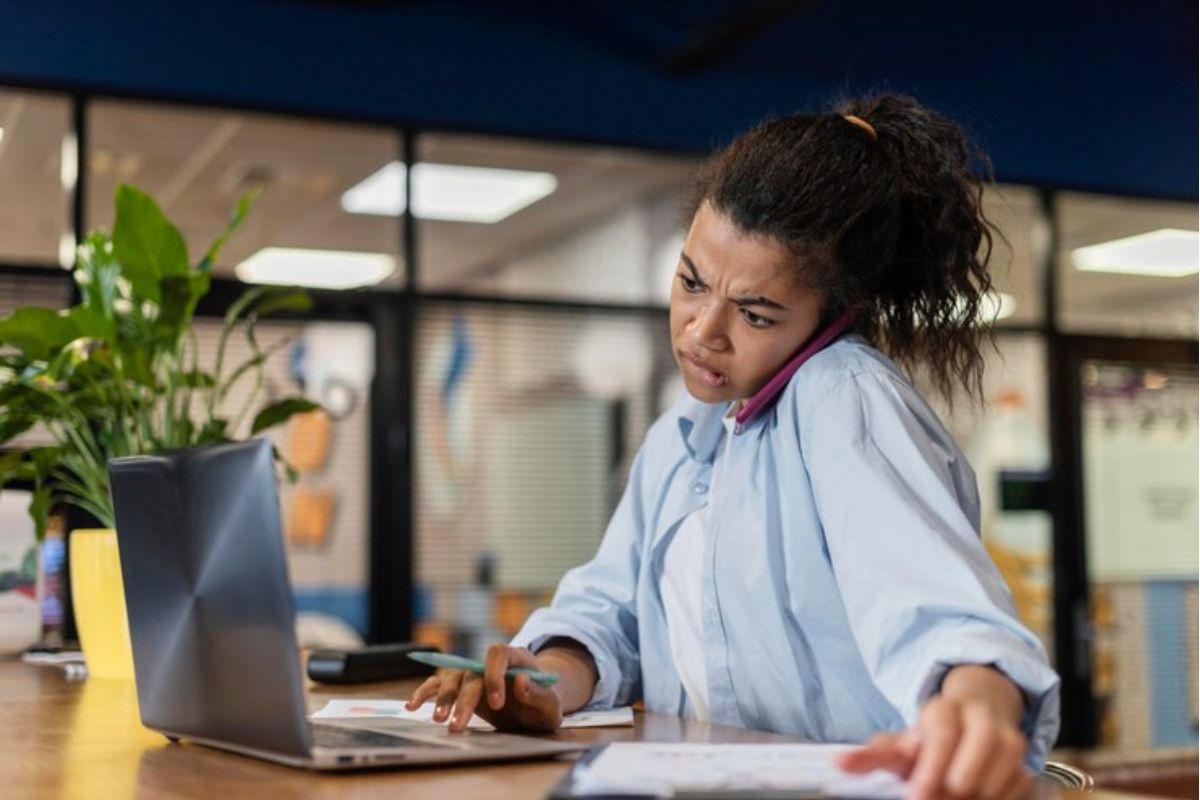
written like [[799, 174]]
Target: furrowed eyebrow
[[691, 266], [758, 301], [742, 302]]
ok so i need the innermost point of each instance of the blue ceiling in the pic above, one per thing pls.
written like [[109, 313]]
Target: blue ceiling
[[1064, 93]]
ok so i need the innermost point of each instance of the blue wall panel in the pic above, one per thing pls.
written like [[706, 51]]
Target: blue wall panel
[[1075, 94]]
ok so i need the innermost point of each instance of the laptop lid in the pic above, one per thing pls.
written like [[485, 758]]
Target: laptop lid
[[211, 613]]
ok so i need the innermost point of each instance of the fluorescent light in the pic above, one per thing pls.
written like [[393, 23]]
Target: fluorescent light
[[449, 192], [380, 193], [1166, 253], [1, 134], [476, 194], [321, 269], [68, 168]]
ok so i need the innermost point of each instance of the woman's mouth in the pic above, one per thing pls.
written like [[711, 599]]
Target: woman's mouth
[[708, 376]]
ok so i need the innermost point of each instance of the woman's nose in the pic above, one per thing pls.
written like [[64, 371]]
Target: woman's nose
[[707, 328]]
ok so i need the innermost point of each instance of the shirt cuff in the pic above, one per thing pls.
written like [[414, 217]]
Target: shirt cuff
[[1039, 687], [543, 625]]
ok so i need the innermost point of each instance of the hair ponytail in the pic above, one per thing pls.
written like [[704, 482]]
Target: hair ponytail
[[885, 217]]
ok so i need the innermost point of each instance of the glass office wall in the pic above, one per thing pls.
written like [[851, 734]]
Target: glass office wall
[[547, 221], [197, 162], [1018, 255], [527, 421], [1140, 507], [1126, 266], [38, 163]]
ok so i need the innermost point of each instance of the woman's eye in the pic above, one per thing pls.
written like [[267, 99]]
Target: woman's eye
[[690, 285], [756, 320]]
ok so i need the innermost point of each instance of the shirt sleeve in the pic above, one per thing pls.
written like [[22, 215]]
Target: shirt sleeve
[[900, 517], [595, 604]]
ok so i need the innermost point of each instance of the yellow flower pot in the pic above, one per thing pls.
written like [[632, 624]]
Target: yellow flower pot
[[98, 596]]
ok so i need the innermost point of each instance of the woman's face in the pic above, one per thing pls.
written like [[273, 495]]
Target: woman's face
[[738, 312]]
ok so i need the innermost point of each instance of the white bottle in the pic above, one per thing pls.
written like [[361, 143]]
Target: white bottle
[[20, 587]]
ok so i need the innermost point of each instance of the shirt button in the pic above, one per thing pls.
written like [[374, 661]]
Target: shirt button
[[699, 487]]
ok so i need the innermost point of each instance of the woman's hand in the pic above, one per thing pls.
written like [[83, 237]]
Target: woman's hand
[[966, 743], [513, 704]]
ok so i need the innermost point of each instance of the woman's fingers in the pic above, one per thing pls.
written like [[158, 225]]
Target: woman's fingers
[[505, 702], [940, 730], [499, 659], [450, 680], [1006, 771], [975, 770], [894, 752], [956, 750], [423, 692], [495, 664], [538, 706], [468, 697]]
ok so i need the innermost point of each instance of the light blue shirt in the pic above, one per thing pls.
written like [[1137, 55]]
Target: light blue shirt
[[843, 569]]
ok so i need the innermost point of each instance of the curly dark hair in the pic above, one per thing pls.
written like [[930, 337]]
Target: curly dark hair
[[890, 224]]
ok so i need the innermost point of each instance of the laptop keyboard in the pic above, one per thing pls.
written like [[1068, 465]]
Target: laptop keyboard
[[344, 738]]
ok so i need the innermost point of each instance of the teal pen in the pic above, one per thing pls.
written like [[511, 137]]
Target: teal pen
[[471, 665]]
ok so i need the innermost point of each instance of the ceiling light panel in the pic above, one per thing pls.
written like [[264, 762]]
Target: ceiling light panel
[[1166, 253], [318, 269], [450, 192]]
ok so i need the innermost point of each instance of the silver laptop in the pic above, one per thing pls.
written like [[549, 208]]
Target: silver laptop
[[211, 617]]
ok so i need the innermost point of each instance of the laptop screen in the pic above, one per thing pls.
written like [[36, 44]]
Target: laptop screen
[[211, 612]]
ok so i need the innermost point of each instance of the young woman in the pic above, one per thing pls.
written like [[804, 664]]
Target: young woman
[[797, 549]]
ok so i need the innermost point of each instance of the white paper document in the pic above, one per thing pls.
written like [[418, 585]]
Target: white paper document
[[666, 770], [358, 708]]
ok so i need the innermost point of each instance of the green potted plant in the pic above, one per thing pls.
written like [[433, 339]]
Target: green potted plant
[[118, 374]]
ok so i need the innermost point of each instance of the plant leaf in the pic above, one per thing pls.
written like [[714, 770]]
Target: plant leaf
[[214, 431], [235, 222], [290, 471], [11, 462], [39, 509], [138, 363], [92, 323], [198, 379], [37, 332], [281, 411], [45, 459], [244, 300], [96, 273], [180, 294], [145, 243], [284, 300]]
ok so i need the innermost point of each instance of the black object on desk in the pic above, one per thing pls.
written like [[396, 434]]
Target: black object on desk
[[384, 662]]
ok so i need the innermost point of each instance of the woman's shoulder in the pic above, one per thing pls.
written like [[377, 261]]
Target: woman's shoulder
[[850, 375], [840, 364]]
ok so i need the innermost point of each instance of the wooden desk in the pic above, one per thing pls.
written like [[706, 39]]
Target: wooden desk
[[63, 739]]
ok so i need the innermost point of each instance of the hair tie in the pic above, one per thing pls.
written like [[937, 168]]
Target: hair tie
[[861, 123]]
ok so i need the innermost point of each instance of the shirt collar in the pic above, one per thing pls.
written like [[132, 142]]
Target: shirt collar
[[701, 426]]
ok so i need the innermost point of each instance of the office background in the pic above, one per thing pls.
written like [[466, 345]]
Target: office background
[[488, 394]]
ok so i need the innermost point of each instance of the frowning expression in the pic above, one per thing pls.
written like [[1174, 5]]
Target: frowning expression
[[738, 310]]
